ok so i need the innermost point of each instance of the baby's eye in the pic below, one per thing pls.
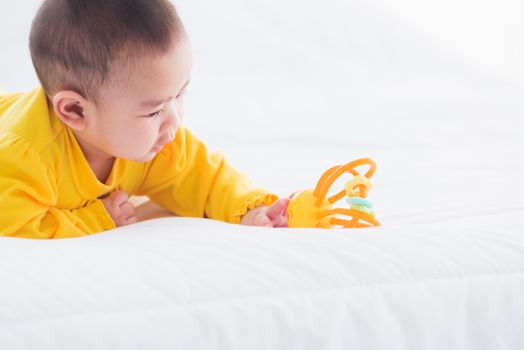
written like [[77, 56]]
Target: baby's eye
[[152, 115]]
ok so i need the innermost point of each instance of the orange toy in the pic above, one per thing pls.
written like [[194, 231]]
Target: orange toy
[[311, 208]]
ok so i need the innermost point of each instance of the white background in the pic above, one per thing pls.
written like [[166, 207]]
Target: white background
[[432, 90]]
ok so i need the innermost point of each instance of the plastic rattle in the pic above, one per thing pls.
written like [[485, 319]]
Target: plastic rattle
[[311, 208]]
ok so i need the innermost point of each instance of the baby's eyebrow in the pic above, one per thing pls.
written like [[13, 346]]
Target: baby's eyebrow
[[153, 103]]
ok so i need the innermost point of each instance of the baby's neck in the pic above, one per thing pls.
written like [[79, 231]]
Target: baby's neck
[[102, 170], [100, 163]]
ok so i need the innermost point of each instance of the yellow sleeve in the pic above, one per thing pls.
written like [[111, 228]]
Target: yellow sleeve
[[187, 180], [28, 195]]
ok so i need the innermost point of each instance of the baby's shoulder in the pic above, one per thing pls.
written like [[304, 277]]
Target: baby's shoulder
[[27, 126]]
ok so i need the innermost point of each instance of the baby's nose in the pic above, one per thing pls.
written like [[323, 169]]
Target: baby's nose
[[172, 122]]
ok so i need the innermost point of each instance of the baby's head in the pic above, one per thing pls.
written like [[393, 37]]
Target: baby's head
[[114, 71]]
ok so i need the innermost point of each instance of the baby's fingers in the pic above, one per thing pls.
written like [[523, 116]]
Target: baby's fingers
[[278, 208], [131, 220], [127, 214]]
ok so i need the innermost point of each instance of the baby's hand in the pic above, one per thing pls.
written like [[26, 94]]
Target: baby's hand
[[121, 211], [272, 216]]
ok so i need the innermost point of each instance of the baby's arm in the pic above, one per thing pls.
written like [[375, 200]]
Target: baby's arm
[[28, 197], [26, 217], [188, 181]]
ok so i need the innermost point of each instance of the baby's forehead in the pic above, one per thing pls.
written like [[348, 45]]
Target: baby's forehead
[[134, 59], [153, 76]]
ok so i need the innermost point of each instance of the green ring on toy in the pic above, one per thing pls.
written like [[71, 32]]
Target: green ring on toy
[[359, 201]]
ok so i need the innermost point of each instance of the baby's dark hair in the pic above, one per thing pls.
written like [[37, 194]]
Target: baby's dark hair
[[80, 44]]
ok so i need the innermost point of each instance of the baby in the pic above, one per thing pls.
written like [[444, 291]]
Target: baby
[[107, 124]]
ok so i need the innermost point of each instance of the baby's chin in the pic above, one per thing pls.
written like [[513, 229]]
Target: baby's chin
[[144, 158], [147, 157]]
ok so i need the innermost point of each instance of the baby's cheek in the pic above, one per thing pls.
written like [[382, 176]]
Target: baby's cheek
[[144, 136], [136, 143]]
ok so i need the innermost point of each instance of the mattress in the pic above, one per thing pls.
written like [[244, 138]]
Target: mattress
[[182, 283], [285, 95]]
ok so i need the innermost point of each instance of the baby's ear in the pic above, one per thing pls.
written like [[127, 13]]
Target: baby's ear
[[69, 106]]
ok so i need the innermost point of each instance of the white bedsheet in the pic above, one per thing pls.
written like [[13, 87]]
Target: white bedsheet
[[181, 283], [286, 89]]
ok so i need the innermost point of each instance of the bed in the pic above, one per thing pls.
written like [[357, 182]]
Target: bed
[[292, 94]]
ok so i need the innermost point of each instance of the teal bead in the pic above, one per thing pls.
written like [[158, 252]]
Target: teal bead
[[359, 201]]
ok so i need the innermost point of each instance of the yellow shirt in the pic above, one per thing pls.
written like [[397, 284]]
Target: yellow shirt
[[48, 190]]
